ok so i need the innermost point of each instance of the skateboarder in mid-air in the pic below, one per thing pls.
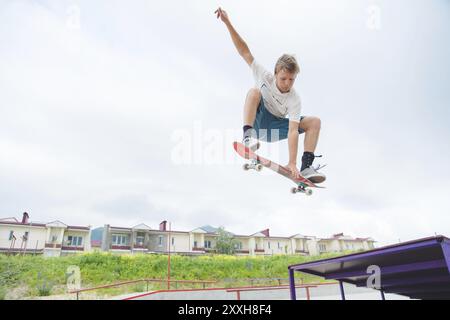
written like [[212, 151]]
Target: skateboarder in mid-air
[[268, 104]]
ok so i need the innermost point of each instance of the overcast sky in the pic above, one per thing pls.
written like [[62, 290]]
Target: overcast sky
[[124, 112]]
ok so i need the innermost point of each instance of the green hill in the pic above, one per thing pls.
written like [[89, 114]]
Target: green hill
[[32, 273]]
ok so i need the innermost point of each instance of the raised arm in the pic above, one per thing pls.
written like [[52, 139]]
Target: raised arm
[[239, 43]]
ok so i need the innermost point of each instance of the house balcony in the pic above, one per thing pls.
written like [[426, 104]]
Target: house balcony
[[72, 248], [50, 245]]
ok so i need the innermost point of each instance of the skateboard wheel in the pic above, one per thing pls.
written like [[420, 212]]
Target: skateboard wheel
[[308, 192], [259, 167], [246, 167], [294, 190]]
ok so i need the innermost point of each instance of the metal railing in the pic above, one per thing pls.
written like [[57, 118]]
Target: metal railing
[[237, 290], [266, 288], [147, 281]]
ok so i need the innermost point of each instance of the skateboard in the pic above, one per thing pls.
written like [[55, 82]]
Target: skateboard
[[257, 163]]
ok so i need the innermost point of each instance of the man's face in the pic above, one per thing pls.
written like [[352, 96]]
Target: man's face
[[285, 80]]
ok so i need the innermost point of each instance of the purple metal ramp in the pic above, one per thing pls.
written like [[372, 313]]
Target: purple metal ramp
[[418, 269]]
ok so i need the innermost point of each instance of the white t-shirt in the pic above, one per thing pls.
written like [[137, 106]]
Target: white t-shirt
[[277, 103]]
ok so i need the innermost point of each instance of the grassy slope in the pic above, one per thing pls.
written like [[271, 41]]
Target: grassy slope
[[100, 269]]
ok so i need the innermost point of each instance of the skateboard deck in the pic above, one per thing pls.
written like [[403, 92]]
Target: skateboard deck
[[303, 184]]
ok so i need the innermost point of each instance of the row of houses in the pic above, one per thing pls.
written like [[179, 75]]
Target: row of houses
[[56, 239], [51, 239]]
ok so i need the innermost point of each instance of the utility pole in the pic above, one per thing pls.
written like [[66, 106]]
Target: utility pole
[[168, 261]]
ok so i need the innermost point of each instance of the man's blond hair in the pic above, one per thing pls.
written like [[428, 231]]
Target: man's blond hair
[[287, 62]]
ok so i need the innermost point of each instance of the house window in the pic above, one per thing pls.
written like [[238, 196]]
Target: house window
[[11, 234], [173, 241], [238, 246], [208, 244], [269, 244], [160, 240], [74, 241], [322, 247], [195, 244], [120, 240], [279, 245], [25, 236], [140, 240]]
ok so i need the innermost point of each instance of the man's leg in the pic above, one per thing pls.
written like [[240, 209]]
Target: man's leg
[[311, 126], [250, 108]]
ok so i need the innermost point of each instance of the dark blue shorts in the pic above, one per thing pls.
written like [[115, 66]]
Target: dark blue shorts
[[270, 128]]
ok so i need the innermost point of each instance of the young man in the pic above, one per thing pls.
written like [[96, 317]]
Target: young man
[[267, 106]]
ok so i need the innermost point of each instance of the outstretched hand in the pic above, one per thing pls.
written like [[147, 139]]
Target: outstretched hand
[[222, 14]]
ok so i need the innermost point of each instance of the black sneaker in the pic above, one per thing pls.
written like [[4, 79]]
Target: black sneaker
[[313, 175]]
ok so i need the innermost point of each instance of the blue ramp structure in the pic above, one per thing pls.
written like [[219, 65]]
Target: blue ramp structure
[[418, 269]]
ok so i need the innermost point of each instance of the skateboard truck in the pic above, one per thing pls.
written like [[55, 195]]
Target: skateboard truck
[[253, 165], [302, 189]]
